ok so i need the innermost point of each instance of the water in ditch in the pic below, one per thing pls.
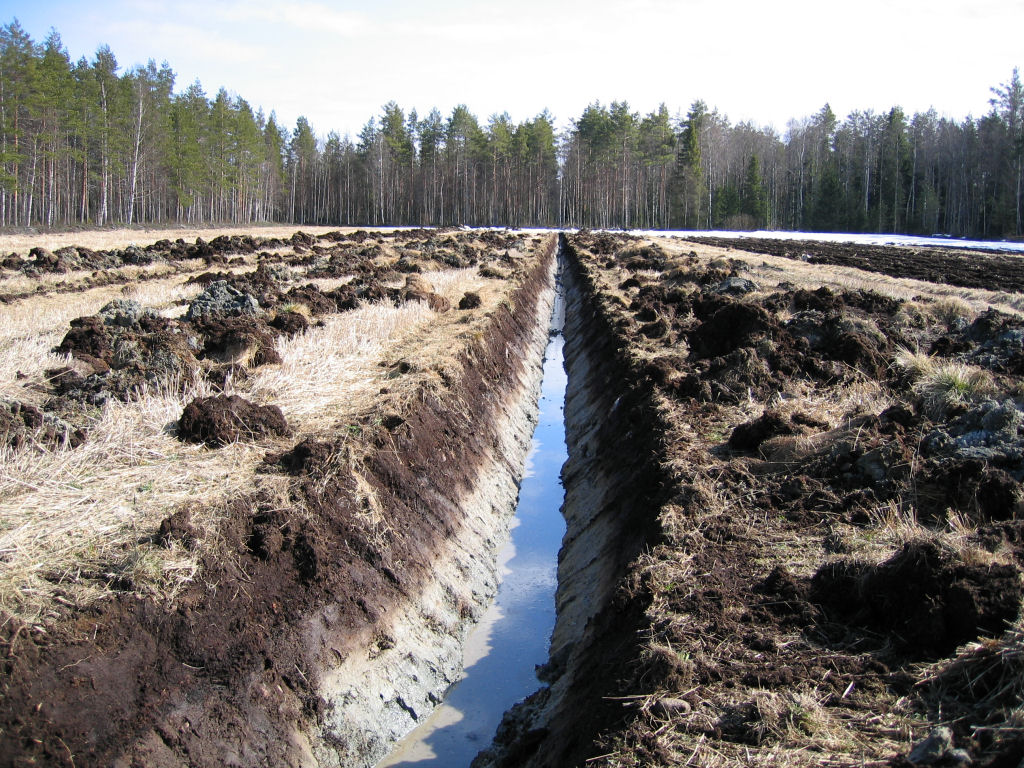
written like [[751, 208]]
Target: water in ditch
[[503, 650]]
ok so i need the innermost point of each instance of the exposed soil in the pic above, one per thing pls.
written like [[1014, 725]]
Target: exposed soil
[[226, 672], [831, 525], [954, 266], [223, 419], [22, 423], [923, 599]]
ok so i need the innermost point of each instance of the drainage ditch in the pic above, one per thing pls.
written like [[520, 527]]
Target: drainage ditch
[[511, 640]]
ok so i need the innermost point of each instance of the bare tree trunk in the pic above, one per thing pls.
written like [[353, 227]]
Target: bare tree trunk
[[101, 216], [135, 158], [1017, 195], [31, 184]]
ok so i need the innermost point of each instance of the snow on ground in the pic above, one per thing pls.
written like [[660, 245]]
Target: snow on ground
[[841, 237]]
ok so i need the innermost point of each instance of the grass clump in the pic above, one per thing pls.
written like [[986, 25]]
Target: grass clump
[[983, 685], [944, 385], [951, 311], [952, 385]]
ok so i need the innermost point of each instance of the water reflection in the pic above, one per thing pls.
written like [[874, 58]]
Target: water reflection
[[512, 638]]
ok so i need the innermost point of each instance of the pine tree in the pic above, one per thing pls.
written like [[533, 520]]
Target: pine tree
[[189, 114], [1008, 105], [754, 203], [688, 180], [18, 62], [656, 144]]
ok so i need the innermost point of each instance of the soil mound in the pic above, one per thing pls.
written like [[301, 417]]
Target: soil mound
[[982, 492], [733, 325], [470, 300], [315, 300], [750, 434], [224, 419], [309, 457], [121, 350], [924, 600], [237, 340], [290, 323], [21, 423], [418, 288], [222, 298]]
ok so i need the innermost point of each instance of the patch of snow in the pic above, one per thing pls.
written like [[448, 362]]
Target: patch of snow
[[842, 237]]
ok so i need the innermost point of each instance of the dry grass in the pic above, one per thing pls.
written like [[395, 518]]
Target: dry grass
[[31, 328], [836, 405], [90, 512], [48, 312], [72, 521], [332, 372], [19, 284], [951, 310], [952, 385], [992, 673], [799, 725], [943, 384], [328, 284], [895, 524]]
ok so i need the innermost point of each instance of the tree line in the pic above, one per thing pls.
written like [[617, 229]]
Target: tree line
[[84, 144]]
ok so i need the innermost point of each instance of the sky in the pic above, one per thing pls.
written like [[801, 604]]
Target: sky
[[338, 63]]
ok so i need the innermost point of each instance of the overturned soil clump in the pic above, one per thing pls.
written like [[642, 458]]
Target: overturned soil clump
[[223, 419], [923, 600]]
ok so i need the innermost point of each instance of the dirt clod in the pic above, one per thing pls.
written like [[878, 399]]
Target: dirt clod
[[924, 600], [224, 419], [470, 300]]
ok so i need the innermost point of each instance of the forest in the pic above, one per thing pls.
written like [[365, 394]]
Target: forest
[[83, 143]]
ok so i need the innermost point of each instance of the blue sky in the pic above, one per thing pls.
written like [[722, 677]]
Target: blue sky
[[337, 63]]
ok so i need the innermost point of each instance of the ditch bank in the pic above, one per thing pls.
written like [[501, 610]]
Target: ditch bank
[[331, 618]]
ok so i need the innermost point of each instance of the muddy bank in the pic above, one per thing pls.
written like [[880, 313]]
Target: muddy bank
[[330, 618], [504, 649]]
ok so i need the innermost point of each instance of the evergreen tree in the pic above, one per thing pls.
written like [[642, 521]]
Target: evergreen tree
[[83, 143], [688, 180], [753, 202], [18, 63], [1008, 106], [431, 135], [302, 162], [188, 117], [273, 173], [656, 145]]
